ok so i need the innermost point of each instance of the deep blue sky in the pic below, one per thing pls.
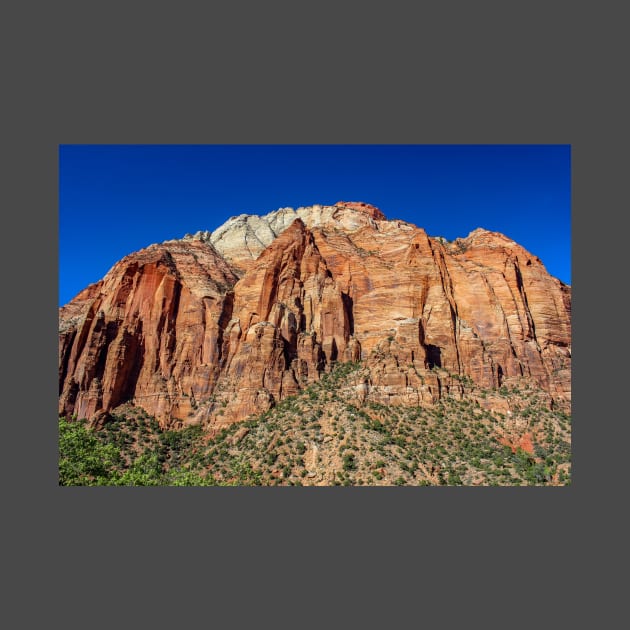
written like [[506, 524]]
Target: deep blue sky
[[116, 199]]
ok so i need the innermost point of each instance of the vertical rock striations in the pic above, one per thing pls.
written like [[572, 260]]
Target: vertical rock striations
[[217, 326], [149, 332]]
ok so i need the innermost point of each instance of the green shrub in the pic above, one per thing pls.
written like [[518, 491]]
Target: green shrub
[[349, 462]]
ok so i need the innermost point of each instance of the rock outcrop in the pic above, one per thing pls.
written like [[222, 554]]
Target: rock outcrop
[[241, 239], [217, 326], [151, 331]]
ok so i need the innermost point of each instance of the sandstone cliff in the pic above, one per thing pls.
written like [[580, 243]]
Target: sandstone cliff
[[217, 326], [151, 331]]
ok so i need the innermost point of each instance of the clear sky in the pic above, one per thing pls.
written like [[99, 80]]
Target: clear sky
[[117, 199]]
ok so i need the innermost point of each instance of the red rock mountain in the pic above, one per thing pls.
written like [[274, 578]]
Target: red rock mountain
[[217, 326]]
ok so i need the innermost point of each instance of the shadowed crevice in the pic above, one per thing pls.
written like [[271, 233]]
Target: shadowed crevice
[[434, 356], [348, 306]]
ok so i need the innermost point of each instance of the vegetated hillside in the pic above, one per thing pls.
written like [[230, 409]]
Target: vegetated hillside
[[328, 434]]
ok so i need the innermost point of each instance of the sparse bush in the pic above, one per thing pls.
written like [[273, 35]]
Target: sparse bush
[[349, 462]]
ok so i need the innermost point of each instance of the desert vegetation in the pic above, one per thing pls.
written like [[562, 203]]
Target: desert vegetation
[[324, 436]]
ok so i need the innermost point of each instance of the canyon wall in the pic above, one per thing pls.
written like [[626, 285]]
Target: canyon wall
[[217, 326]]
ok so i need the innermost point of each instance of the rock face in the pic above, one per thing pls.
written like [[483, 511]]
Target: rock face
[[151, 331], [241, 239], [217, 326]]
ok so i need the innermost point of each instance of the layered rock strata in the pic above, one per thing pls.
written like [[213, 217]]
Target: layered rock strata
[[217, 326]]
